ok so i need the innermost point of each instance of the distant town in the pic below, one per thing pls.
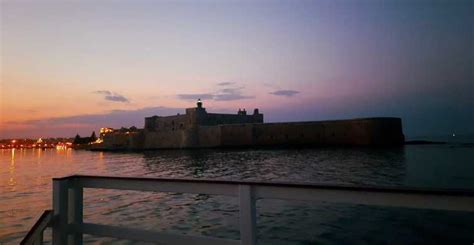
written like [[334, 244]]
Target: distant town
[[46, 143], [40, 143], [76, 142]]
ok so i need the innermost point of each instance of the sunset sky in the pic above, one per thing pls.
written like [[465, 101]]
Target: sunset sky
[[71, 67]]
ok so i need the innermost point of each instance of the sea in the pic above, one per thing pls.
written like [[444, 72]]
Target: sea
[[26, 190]]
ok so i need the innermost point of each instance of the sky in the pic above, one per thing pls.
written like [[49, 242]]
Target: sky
[[73, 66]]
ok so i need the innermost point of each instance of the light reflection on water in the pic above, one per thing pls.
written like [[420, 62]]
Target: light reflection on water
[[25, 191]]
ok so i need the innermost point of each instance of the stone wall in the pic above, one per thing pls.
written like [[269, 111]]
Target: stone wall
[[120, 140], [356, 132], [198, 117], [167, 123], [170, 139], [208, 136], [217, 119], [370, 131]]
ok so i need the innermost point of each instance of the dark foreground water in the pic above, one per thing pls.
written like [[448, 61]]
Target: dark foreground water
[[25, 191]]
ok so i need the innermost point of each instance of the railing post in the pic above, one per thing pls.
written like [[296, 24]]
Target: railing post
[[60, 211], [39, 239], [248, 224], [75, 211]]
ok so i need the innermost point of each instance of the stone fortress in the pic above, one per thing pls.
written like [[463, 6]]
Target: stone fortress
[[200, 129]]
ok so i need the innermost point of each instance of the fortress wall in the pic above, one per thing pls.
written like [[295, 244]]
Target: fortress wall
[[118, 140], [372, 131], [215, 119], [203, 136], [237, 134], [386, 131], [209, 136], [350, 132], [289, 134], [150, 122], [357, 132], [172, 123], [273, 134], [169, 139], [136, 140]]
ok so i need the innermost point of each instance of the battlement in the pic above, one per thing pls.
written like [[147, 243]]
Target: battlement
[[198, 116]]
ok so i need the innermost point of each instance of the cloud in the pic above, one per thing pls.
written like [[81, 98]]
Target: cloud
[[116, 97], [106, 92], [195, 96], [229, 94], [287, 93], [224, 94], [229, 97], [231, 90], [112, 96]]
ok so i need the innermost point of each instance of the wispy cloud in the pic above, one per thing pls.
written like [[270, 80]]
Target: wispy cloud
[[195, 96], [229, 97], [287, 93], [106, 92], [223, 94], [229, 94], [116, 98], [112, 96]]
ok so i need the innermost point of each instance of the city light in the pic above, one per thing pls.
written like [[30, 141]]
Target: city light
[[33, 143], [106, 130]]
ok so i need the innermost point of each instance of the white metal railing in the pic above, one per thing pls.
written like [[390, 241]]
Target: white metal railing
[[68, 225], [35, 236]]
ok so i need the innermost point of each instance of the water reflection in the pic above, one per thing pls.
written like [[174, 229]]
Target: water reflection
[[25, 179], [11, 170], [39, 152], [346, 166], [13, 155]]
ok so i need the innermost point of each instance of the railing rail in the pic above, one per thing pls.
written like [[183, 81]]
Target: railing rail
[[68, 226], [35, 235]]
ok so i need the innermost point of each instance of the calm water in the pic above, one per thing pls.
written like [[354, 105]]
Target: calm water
[[25, 191]]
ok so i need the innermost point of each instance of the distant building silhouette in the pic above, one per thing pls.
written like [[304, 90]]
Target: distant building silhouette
[[199, 129], [78, 140]]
